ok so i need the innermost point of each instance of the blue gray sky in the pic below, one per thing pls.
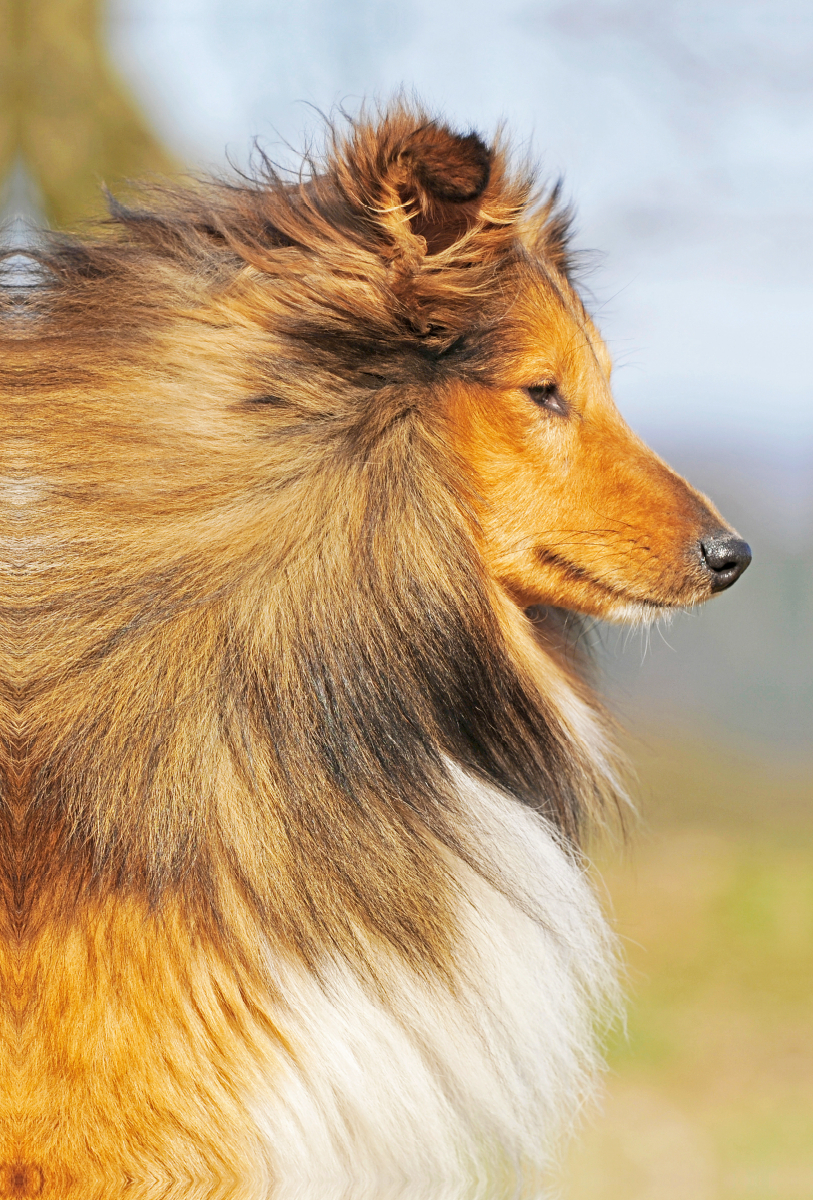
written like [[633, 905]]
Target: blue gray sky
[[684, 130]]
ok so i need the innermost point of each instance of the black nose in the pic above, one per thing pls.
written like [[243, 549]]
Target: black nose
[[726, 556]]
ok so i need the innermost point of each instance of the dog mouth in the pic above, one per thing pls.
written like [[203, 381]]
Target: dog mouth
[[580, 575], [716, 562]]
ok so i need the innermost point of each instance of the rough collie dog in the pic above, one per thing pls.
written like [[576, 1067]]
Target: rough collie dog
[[298, 476]]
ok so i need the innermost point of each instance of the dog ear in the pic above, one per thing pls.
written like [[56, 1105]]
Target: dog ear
[[444, 175], [444, 167], [419, 181]]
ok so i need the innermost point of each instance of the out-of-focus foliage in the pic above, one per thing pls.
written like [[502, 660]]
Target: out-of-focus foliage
[[710, 1090], [6, 86], [65, 116]]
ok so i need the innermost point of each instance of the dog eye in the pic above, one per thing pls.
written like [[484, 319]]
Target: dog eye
[[547, 395]]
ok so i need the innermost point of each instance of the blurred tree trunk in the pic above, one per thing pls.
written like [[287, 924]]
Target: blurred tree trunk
[[65, 114], [8, 65]]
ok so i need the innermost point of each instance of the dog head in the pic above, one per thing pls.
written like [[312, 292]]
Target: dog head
[[572, 508]]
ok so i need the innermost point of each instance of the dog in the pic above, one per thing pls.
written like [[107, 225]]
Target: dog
[[302, 474]]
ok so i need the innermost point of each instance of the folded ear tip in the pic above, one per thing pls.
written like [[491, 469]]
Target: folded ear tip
[[450, 166]]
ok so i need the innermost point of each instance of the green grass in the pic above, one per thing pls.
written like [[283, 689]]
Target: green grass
[[710, 1091]]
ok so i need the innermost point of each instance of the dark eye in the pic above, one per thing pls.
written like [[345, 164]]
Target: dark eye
[[547, 395]]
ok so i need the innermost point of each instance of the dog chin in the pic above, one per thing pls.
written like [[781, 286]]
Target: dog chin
[[639, 612]]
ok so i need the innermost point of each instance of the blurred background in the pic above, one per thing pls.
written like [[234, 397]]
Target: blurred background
[[684, 132]]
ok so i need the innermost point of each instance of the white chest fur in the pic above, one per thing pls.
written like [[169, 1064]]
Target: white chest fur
[[417, 1081]]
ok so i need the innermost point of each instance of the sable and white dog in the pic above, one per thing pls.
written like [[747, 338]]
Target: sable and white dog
[[299, 476]]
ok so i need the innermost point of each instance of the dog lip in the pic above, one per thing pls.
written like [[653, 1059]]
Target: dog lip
[[579, 574]]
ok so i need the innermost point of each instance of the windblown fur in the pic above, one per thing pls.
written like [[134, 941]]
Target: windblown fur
[[293, 784]]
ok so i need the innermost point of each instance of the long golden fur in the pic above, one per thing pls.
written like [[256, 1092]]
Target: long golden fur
[[295, 469]]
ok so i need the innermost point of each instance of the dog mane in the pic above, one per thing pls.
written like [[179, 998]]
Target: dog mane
[[256, 645]]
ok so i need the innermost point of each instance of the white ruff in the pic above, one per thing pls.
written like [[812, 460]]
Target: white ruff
[[422, 1084]]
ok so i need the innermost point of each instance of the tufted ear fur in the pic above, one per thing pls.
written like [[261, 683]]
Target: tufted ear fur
[[549, 232], [419, 181]]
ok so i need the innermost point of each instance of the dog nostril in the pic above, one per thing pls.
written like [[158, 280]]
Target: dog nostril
[[726, 556]]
